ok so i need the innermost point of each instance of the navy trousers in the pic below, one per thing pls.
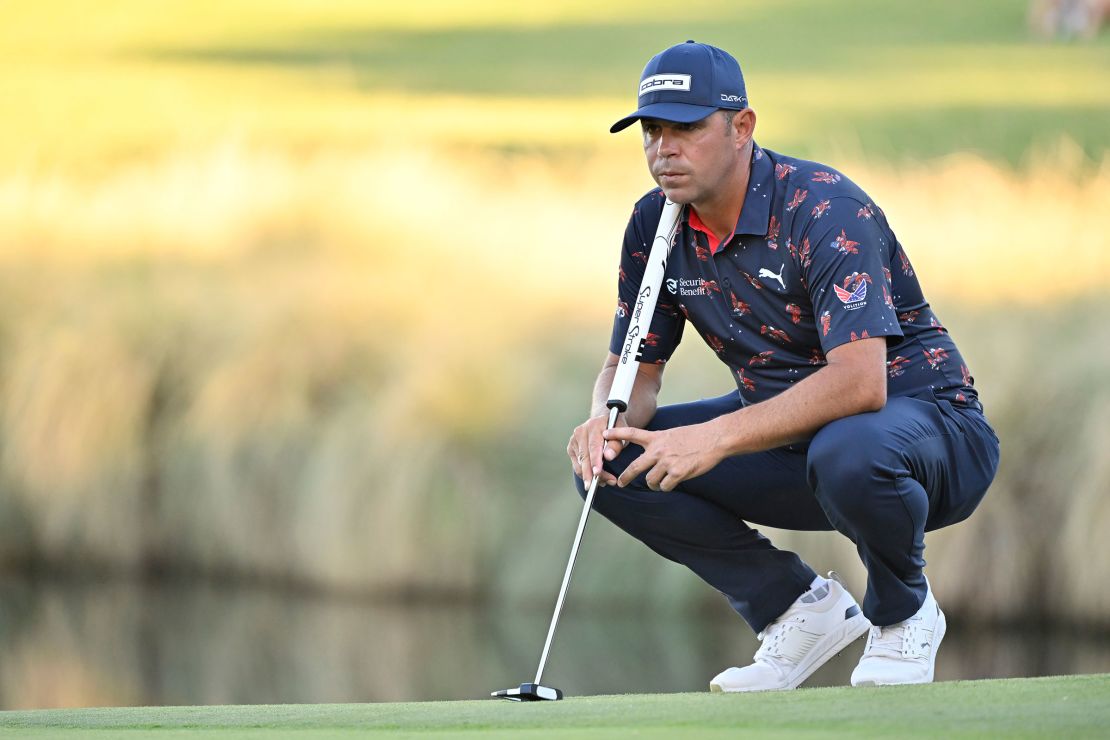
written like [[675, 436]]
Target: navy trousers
[[882, 479]]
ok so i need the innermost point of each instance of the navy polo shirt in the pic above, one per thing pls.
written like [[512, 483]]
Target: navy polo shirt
[[811, 264]]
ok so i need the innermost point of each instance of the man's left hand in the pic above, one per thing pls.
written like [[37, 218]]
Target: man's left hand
[[670, 455]]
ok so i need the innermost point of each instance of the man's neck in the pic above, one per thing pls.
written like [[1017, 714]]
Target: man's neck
[[722, 212]]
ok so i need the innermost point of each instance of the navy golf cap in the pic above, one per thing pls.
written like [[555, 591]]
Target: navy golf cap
[[686, 83]]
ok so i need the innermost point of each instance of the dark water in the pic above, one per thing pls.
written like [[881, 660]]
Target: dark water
[[116, 643]]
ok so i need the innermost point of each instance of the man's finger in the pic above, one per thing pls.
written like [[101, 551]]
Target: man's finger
[[670, 482], [639, 465], [575, 465], [582, 454], [576, 460], [591, 448], [596, 448], [654, 477], [629, 434]]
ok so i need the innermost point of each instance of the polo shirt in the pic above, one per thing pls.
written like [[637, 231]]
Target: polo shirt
[[812, 264]]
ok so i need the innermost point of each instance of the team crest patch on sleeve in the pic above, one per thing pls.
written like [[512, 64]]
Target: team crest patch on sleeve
[[852, 299]]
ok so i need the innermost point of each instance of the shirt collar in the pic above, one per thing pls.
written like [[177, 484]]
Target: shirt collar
[[695, 222], [755, 216]]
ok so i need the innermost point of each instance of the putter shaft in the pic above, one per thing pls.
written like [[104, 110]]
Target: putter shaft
[[586, 506]]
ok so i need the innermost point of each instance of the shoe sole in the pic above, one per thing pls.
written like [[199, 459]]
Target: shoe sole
[[938, 635], [852, 629]]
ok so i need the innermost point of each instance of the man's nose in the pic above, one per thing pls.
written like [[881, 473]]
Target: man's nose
[[667, 144]]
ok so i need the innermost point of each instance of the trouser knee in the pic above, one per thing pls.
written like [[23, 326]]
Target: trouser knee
[[856, 477], [837, 477], [607, 506]]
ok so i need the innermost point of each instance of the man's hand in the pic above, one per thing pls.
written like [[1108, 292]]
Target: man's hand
[[587, 448], [670, 455]]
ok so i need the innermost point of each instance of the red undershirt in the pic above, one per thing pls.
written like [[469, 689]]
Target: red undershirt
[[714, 243]]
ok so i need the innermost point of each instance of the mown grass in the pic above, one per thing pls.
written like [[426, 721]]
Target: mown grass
[[889, 81], [1072, 706]]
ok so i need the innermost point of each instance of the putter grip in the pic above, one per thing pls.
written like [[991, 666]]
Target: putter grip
[[636, 337]]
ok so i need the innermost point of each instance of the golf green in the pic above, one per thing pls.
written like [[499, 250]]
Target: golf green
[[1067, 706]]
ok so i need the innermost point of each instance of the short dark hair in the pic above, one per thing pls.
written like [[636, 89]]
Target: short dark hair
[[729, 115]]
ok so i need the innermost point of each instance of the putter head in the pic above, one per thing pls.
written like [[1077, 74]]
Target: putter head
[[529, 692]]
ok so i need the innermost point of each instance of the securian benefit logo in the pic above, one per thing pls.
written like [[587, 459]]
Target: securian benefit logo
[[692, 286]]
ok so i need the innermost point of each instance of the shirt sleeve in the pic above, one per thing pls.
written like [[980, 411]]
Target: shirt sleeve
[[847, 274], [667, 323]]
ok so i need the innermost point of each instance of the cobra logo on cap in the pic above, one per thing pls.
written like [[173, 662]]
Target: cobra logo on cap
[[659, 83]]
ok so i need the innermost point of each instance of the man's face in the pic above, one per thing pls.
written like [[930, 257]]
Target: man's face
[[691, 161]]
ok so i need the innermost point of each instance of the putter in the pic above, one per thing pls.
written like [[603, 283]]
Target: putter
[[619, 393]]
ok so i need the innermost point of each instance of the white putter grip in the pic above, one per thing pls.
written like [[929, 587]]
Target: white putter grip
[[634, 339]]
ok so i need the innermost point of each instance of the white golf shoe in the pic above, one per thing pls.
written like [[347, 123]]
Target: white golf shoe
[[905, 652], [821, 623]]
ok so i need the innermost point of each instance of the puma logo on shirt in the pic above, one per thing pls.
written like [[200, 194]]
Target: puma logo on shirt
[[765, 273]]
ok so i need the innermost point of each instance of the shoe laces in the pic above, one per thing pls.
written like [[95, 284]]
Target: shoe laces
[[908, 639], [783, 641]]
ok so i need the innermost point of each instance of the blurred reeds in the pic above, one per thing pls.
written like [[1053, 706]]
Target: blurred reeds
[[245, 365], [312, 294]]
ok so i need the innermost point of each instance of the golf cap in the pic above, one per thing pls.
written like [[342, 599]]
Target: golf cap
[[686, 83]]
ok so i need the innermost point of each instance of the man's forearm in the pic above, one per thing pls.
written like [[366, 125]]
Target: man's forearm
[[642, 404], [833, 392]]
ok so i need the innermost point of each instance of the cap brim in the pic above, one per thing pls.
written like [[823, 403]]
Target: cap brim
[[673, 112]]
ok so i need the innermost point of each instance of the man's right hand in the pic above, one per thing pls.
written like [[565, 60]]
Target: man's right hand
[[587, 448]]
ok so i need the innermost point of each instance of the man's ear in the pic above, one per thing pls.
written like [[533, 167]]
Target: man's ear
[[743, 126]]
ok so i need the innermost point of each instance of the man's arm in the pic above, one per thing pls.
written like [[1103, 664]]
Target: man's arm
[[853, 382], [586, 443]]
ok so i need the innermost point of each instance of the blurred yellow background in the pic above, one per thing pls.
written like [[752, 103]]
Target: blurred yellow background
[[311, 294]]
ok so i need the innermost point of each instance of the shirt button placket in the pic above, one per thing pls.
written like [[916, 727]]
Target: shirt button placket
[[722, 283]]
